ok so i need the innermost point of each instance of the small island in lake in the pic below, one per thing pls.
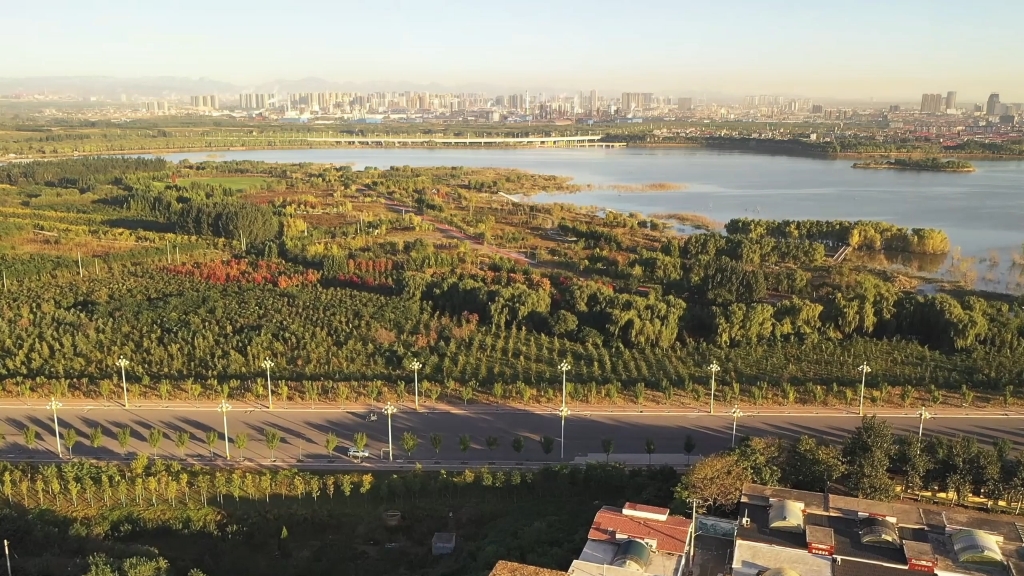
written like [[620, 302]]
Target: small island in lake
[[926, 164]]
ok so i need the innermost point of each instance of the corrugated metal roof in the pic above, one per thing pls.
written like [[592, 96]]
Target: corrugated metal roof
[[976, 547]]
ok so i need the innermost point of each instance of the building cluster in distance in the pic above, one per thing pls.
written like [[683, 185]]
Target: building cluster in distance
[[477, 105], [205, 102], [782, 532], [939, 118]]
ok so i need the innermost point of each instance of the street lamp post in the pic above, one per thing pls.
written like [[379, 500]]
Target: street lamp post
[[863, 369], [923, 415], [736, 414], [389, 409], [563, 412], [714, 367], [270, 391], [564, 367], [123, 363], [223, 409], [415, 365], [53, 405]]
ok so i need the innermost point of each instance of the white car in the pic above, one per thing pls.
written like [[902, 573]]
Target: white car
[[357, 454]]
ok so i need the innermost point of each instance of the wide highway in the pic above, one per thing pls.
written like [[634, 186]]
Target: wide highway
[[305, 431]]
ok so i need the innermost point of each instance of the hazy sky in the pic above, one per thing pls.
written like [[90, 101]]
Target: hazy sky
[[852, 49]]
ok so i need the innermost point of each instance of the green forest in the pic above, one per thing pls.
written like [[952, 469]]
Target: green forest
[[873, 463], [344, 277]]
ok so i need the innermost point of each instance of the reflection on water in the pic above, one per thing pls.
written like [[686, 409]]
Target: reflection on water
[[999, 271]]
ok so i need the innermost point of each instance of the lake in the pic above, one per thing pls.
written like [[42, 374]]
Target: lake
[[983, 212]]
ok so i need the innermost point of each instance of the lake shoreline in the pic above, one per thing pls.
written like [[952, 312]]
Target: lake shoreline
[[653, 146]]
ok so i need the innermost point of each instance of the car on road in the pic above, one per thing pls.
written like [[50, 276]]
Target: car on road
[[357, 454]]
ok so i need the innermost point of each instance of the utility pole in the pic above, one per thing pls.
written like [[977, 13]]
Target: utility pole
[[389, 410], [53, 405], [564, 413], [122, 362], [81, 273], [7, 555], [923, 415], [223, 409], [714, 368], [564, 367], [415, 365], [270, 392], [864, 369]]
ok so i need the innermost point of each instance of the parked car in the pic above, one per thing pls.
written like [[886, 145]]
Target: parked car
[[357, 454]]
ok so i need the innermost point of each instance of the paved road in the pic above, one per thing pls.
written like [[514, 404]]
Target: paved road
[[306, 431]]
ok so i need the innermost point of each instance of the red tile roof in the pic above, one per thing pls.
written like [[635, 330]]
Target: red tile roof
[[670, 534]]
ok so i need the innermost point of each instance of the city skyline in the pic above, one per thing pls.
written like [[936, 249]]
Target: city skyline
[[186, 88], [880, 50]]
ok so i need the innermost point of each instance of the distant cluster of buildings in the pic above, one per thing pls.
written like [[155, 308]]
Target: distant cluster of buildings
[[937, 104], [515, 107], [205, 102], [781, 532], [939, 114]]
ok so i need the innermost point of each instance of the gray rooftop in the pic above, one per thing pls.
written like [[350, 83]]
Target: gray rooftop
[[820, 535], [923, 529]]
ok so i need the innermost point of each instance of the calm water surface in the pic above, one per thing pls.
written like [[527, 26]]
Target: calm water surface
[[983, 212]]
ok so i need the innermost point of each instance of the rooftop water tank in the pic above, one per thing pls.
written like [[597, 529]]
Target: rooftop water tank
[[632, 555]]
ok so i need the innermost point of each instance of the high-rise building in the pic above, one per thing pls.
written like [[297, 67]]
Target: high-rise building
[[205, 101], [630, 101], [256, 101], [593, 102], [951, 100], [992, 106], [931, 103], [515, 102], [684, 104], [817, 109]]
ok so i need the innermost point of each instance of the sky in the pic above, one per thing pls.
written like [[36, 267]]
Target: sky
[[883, 49]]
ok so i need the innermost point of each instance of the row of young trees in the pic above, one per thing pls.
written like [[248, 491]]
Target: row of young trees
[[267, 522]]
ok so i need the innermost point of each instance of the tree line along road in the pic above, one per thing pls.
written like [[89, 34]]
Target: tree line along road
[[306, 431]]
